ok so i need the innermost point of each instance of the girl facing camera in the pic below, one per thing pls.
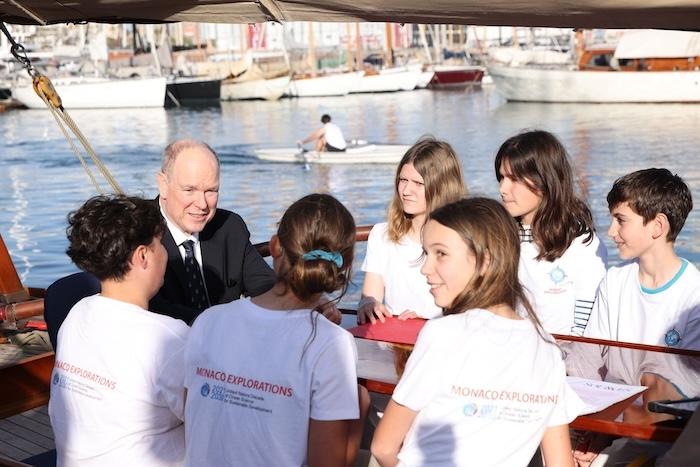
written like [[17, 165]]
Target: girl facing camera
[[482, 374]]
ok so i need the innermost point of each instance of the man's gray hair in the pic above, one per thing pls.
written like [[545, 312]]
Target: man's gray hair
[[175, 148]]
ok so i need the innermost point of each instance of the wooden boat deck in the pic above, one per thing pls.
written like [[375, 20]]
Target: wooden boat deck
[[26, 434]]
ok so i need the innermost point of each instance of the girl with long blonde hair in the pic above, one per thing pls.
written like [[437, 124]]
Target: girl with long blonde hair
[[428, 176]]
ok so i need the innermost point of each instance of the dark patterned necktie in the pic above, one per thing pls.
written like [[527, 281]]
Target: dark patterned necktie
[[193, 274]]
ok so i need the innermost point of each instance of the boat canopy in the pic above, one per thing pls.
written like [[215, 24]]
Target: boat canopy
[[665, 14], [652, 43]]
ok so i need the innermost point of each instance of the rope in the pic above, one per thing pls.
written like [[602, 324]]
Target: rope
[[47, 93]]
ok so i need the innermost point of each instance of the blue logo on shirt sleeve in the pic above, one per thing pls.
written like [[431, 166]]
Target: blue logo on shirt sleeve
[[672, 338]]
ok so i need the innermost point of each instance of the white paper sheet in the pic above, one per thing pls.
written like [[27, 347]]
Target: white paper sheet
[[599, 395]]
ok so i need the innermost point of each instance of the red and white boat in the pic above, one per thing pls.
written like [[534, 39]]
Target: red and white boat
[[456, 76]]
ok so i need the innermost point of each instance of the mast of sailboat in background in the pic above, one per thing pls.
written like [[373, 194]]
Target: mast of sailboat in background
[[424, 43], [388, 32], [359, 58], [311, 57]]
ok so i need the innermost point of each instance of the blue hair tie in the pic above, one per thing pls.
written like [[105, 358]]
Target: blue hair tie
[[332, 256]]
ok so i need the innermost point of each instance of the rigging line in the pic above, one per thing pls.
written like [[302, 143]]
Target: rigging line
[[29, 13], [91, 152], [54, 114]]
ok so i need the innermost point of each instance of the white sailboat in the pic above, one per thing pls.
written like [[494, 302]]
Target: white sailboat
[[268, 89], [98, 93], [388, 80], [333, 84]]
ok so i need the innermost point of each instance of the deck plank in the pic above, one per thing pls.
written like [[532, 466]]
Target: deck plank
[[20, 443], [37, 417], [8, 450], [33, 437], [26, 425], [26, 434]]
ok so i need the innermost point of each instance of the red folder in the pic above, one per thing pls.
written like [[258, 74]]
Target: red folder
[[392, 330]]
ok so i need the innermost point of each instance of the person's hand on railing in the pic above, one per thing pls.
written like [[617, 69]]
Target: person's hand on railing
[[371, 310]]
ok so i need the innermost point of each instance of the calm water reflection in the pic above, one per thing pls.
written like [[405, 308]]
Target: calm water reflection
[[43, 180]]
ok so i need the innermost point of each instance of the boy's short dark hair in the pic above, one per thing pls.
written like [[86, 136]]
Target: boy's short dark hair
[[325, 118], [106, 230], [652, 191]]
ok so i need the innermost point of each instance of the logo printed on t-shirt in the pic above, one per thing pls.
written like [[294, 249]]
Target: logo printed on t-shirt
[[204, 391], [470, 409], [557, 275], [672, 338]]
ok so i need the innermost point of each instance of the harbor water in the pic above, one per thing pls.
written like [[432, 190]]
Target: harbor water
[[42, 180]]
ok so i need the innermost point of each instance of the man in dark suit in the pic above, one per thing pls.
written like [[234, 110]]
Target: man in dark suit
[[203, 242]]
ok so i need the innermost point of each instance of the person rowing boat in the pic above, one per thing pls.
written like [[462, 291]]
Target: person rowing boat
[[328, 138]]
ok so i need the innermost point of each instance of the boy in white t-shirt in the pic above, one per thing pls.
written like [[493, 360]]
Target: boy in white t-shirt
[[117, 392], [653, 297]]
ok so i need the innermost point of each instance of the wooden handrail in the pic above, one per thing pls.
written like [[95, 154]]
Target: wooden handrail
[[628, 345]]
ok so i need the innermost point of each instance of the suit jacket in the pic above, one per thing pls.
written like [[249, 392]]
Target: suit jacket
[[232, 267]]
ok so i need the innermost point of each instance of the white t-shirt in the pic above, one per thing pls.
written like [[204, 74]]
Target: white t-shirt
[[562, 291], [334, 136], [405, 288], [117, 386], [668, 316], [485, 388], [254, 379]]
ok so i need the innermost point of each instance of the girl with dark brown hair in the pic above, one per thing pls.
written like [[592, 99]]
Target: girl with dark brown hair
[[270, 381], [562, 261]]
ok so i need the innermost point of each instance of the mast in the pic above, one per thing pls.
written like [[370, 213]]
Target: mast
[[359, 58], [389, 44], [349, 59], [311, 59]]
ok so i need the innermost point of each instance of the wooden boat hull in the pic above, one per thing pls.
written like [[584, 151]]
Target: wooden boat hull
[[329, 85], [542, 85], [192, 91], [267, 89], [456, 77], [387, 81], [99, 93]]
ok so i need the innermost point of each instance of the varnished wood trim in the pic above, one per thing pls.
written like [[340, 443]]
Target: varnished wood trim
[[628, 345], [26, 384]]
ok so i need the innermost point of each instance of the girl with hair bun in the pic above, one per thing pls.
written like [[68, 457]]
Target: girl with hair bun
[[428, 176], [483, 385], [562, 261], [269, 380]]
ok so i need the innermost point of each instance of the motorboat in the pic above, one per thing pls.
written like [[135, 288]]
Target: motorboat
[[357, 152], [98, 93]]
